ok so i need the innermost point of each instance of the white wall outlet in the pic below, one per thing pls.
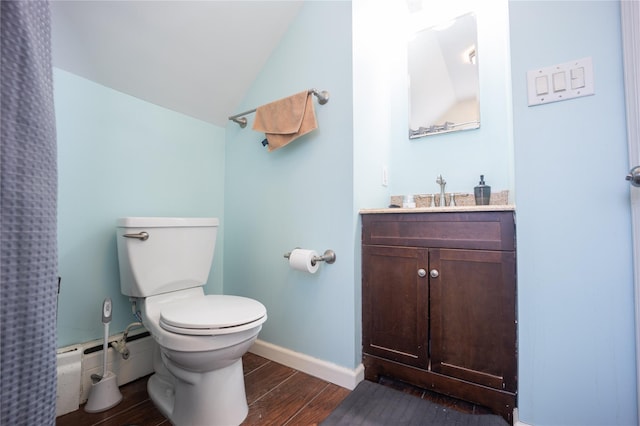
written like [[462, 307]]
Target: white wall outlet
[[560, 82], [385, 176]]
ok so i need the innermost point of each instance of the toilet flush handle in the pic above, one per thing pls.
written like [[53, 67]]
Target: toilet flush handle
[[143, 236]]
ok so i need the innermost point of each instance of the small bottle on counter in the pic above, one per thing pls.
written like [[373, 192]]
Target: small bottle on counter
[[482, 193]]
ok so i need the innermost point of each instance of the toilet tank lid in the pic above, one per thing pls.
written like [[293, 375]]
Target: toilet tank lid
[[164, 222]]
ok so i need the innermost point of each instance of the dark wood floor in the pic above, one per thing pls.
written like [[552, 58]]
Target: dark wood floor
[[277, 395]]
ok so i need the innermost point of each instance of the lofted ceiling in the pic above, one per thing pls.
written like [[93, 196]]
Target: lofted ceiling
[[198, 58]]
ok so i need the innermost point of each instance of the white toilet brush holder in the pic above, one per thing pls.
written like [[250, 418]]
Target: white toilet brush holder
[[104, 393]]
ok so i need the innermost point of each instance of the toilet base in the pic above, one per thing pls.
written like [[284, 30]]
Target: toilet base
[[161, 393], [213, 398]]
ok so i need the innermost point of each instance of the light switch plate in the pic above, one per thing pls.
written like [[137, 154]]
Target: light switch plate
[[570, 80]]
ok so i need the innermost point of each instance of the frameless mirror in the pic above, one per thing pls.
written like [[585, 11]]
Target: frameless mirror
[[443, 78]]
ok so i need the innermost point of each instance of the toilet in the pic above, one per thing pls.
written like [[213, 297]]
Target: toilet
[[164, 264]]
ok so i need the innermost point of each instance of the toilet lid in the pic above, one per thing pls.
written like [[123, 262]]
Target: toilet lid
[[212, 314]]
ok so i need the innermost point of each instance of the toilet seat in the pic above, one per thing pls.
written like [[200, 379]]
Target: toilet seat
[[212, 315]]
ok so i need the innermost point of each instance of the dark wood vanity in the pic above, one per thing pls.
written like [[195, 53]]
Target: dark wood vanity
[[439, 303]]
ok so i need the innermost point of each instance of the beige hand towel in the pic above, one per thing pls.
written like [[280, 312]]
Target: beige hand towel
[[286, 119]]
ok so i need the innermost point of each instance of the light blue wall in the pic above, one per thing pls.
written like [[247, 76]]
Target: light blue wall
[[379, 67], [575, 284], [461, 157], [120, 156], [300, 195]]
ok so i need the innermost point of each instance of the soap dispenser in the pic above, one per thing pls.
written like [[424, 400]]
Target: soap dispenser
[[482, 193]]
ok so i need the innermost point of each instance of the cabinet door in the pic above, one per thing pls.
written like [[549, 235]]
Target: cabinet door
[[395, 304], [473, 330]]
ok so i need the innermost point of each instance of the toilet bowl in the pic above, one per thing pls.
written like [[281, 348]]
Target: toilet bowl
[[198, 380]]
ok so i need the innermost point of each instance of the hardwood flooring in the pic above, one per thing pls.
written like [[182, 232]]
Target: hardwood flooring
[[277, 395]]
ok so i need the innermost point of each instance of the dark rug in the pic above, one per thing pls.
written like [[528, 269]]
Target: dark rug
[[373, 404]]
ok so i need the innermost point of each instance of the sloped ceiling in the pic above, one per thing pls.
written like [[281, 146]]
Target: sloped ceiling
[[198, 58]]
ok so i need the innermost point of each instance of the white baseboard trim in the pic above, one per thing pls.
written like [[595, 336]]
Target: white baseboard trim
[[516, 419], [75, 369], [324, 370]]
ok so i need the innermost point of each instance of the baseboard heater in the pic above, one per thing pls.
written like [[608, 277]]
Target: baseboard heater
[[133, 338]]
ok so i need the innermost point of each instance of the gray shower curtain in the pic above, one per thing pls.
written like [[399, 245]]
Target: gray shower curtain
[[28, 183]]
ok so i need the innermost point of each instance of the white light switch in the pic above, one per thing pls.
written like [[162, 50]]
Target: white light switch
[[560, 82], [542, 85], [385, 176], [577, 78]]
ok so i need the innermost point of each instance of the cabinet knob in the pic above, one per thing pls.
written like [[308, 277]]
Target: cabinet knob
[[434, 273], [422, 273]]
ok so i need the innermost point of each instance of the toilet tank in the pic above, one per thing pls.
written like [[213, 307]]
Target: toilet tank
[[177, 254]]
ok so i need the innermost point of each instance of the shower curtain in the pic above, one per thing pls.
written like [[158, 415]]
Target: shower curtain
[[28, 184]]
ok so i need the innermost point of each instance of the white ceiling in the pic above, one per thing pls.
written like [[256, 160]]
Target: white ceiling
[[194, 57]]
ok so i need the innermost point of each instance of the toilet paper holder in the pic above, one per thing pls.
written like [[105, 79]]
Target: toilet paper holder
[[329, 256]]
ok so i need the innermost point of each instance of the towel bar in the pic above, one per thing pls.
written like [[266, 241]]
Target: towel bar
[[323, 98]]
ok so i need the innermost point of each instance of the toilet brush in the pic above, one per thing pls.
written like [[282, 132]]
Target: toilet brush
[[104, 392]]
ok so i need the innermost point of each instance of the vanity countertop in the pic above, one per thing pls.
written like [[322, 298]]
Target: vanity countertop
[[489, 208]]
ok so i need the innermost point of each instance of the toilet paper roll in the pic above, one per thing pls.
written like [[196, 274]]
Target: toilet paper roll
[[301, 260]]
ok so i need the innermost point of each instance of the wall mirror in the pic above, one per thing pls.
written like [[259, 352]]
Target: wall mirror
[[443, 78]]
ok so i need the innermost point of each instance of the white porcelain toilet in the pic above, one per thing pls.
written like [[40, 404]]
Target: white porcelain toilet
[[164, 263]]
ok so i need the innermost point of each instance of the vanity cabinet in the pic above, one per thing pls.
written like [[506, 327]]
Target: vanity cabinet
[[439, 303]]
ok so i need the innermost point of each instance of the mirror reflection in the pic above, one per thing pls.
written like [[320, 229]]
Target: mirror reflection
[[443, 78]]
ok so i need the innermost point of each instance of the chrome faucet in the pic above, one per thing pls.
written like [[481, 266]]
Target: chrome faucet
[[440, 181]]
